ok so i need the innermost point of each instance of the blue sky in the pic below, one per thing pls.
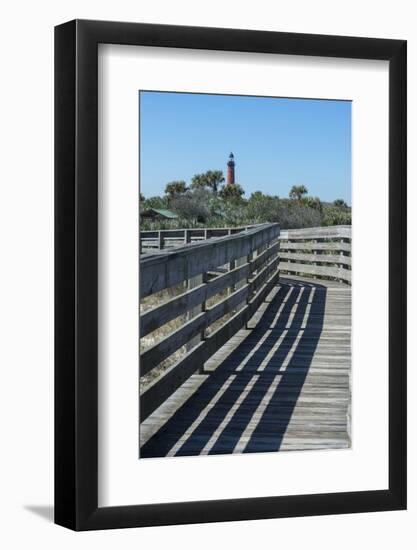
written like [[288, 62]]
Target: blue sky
[[277, 142]]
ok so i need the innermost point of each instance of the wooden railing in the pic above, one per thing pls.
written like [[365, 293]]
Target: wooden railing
[[322, 252], [151, 241], [252, 264]]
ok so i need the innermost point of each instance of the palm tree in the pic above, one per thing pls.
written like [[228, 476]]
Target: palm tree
[[298, 191], [340, 203], [232, 192], [211, 180], [175, 188]]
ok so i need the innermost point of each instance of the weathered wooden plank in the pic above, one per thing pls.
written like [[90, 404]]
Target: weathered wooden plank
[[159, 316], [323, 258], [333, 246], [327, 271], [170, 381], [261, 258], [177, 374], [173, 233], [153, 356], [150, 236], [160, 271], [331, 232], [197, 231], [263, 274], [170, 238]]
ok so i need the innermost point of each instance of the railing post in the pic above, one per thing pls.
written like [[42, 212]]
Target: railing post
[[192, 283], [238, 263], [314, 241], [231, 265], [341, 256], [160, 240], [279, 255], [249, 259]]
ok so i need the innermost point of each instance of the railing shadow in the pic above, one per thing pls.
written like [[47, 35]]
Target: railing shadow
[[246, 404]]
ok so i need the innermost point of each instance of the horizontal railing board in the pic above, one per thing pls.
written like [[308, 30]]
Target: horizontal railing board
[[170, 381], [330, 232], [177, 374], [172, 233], [297, 245], [258, 281], [169, 268], [326, 271], [227, 305], [257, 262], [166, 238], [320, 258], [310, 245], [195, 230], [155, 318], [173, 238], [152, 357]]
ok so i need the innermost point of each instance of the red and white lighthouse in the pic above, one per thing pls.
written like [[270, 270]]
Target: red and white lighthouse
[[231, 170]]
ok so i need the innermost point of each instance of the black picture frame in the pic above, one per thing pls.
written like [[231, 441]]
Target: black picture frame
[[76, 271]]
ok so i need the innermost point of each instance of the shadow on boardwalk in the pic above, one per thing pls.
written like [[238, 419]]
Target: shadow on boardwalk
[[246, 404]]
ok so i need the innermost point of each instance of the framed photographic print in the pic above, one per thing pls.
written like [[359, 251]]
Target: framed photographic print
[[230, 275]]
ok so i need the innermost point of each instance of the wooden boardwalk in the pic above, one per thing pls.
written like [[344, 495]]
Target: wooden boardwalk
[[282, 383]]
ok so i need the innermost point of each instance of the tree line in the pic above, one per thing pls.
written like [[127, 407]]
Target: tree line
[[208, 202]]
